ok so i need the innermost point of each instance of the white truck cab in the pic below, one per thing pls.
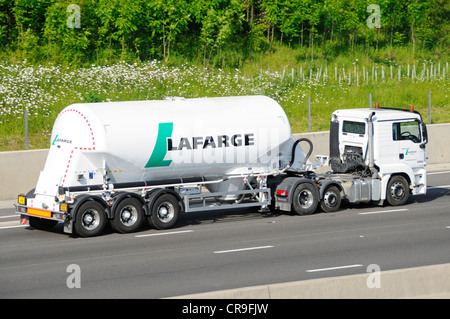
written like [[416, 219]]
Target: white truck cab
[[389, 142]]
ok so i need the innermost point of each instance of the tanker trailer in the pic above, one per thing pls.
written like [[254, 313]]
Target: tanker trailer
[[125, 162]]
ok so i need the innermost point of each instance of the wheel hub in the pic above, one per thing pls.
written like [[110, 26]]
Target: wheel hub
[[166, 212], [91, 219], [330, 199], [128, 215], [397, 191], [305, 198]]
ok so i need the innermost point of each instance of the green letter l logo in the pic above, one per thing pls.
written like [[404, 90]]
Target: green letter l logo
[[160, 150]]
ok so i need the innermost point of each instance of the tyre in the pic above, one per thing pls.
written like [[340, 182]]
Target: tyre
[[305, 200], [397, 192], [128, 216], [41, 223], [165, 212], [90, 219], [331, 200]]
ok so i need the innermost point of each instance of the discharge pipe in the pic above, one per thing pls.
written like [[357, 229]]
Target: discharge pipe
[[293, 153]]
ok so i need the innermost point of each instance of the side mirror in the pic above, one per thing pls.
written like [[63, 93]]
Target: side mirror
[[424, 134]]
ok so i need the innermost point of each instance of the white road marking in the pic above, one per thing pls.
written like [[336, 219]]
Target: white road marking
[[383, 211], [437, 173], [9, 216], [334, 268], [7, 227], [168, 233], [241, 249], [442, 186]]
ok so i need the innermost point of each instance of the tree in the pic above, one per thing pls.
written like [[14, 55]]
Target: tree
[[167, 19], [118, 20]]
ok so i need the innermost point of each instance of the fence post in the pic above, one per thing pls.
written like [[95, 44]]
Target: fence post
[[370, 100], [429, 107], [26, 128], [309, 114]]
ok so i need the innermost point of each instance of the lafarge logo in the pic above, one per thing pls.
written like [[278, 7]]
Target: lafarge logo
[[165, 143], [160, 150]]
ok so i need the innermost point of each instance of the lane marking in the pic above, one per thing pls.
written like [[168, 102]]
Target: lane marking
[[7, 227], [437, 173], [9, 216], [334, 268], [241, 249], [168, 233], [383, 211], [435, 187]]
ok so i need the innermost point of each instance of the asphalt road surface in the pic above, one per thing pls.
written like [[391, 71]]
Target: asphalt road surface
[[225, 249]]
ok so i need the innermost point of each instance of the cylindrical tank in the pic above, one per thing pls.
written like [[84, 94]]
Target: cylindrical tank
[[164, 139]]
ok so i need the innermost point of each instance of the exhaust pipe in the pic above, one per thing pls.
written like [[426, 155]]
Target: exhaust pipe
[[372, 168]]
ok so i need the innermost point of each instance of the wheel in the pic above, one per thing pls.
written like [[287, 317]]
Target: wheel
[[128, 216], [397, 191], [90, 219], [331, 200], [41, 223], [305, 199], [165, 212]]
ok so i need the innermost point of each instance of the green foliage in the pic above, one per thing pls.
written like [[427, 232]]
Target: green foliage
[[45, 90], [214, 32]]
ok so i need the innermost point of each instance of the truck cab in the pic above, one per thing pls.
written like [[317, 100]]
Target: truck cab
[[383, 143]]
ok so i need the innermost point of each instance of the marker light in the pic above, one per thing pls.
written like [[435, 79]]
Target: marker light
[[281, 192], [22, 200]]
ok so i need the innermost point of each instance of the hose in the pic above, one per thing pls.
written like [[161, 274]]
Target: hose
[[293, 152]]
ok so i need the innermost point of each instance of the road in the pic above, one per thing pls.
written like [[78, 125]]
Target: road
[[223, 249]]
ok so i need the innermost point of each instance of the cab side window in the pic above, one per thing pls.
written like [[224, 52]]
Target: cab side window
[[406, 131], [354, 127]]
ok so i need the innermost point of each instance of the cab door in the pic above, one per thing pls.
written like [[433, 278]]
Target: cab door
[[410, 137]]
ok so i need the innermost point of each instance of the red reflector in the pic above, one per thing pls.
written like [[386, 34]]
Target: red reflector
[[281, 192]]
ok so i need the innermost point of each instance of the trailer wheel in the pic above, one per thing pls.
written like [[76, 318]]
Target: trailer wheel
[[331, 200], [128, 216], [90, 219], [41, 223], [165, 212], [305, 199], [397, 191]]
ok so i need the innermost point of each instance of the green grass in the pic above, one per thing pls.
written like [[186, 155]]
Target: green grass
[[283, 75]]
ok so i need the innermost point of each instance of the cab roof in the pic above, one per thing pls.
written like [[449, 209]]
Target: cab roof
[[381, 114]]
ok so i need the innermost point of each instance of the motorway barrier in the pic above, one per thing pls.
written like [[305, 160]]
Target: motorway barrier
[[418, 282]]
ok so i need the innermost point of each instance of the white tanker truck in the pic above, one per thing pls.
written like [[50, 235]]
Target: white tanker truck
[[125, 162]]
